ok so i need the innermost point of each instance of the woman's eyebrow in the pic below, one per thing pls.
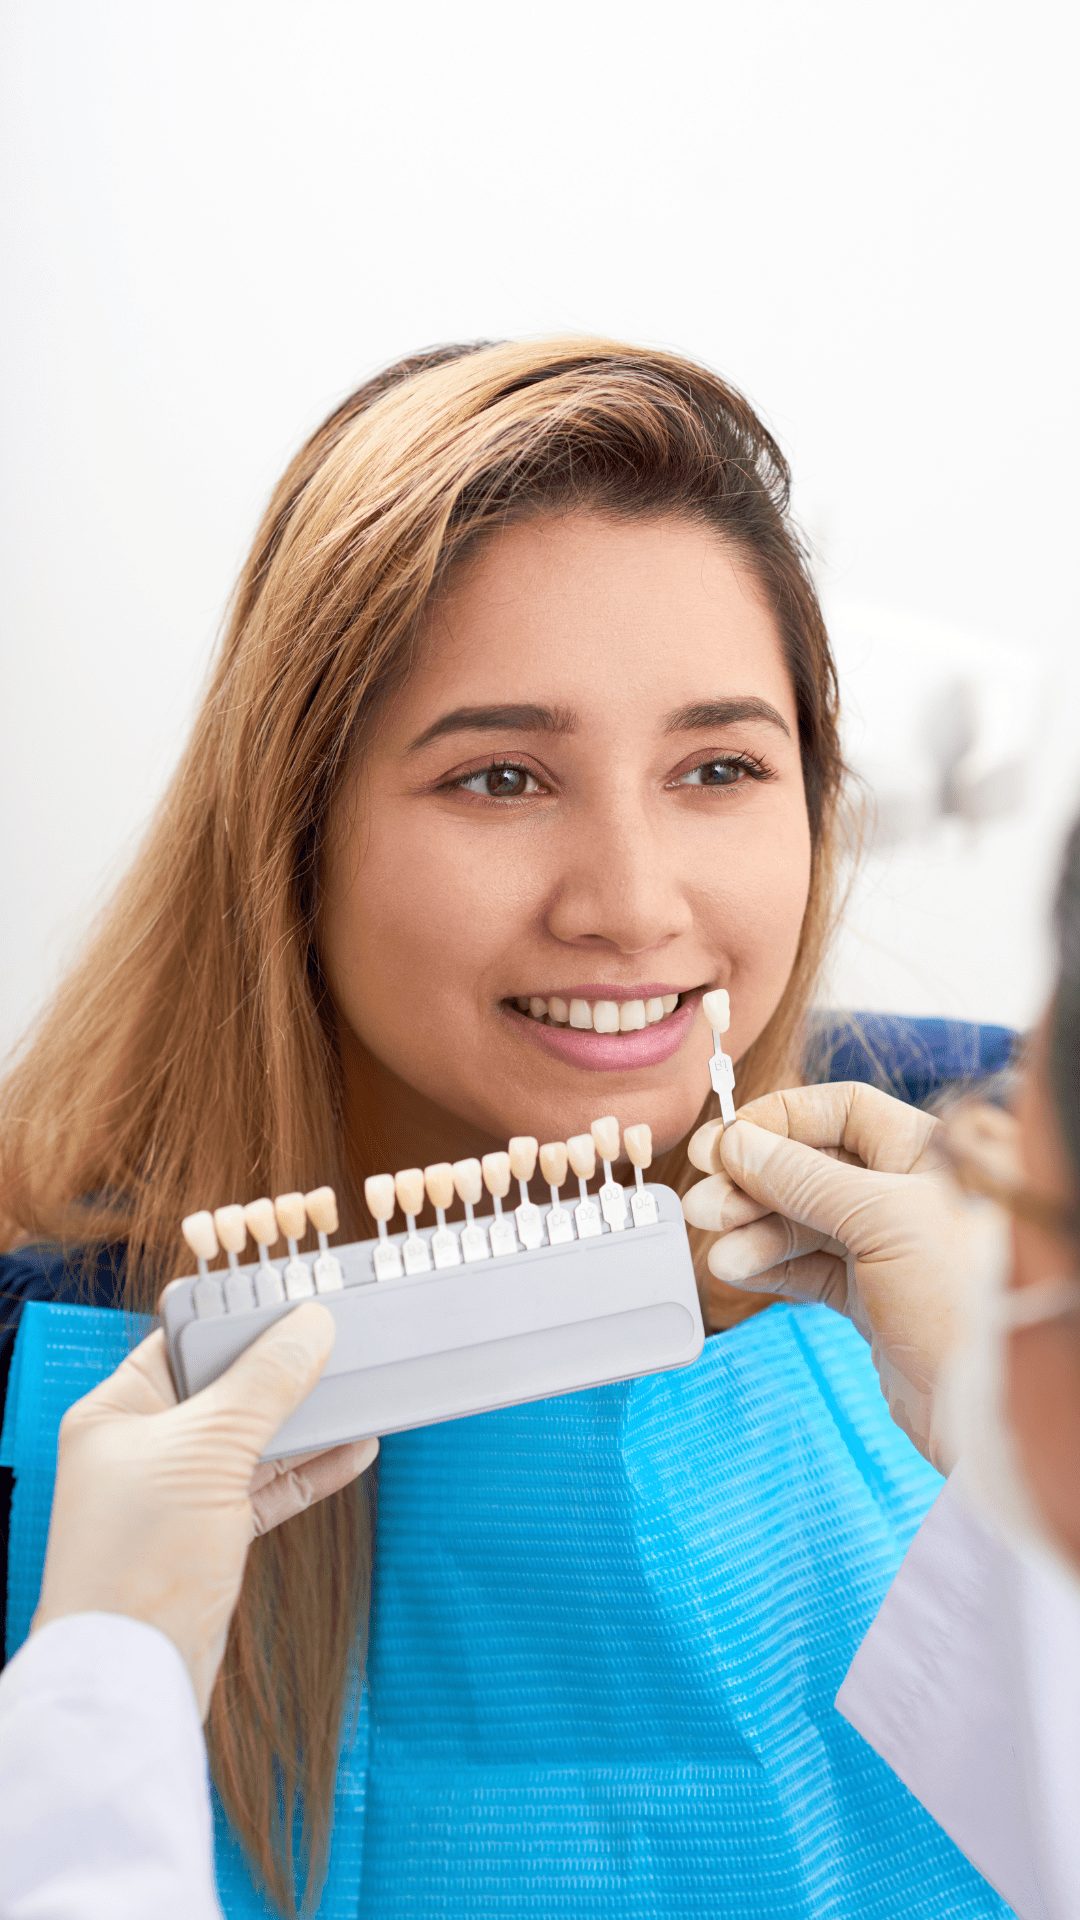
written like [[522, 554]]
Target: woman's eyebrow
[[723, 713], [522, 719]]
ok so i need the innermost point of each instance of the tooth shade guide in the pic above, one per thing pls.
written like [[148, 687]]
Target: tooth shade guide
[[200, 1235], [716, 1006], [261, 1222], [231, 1232]]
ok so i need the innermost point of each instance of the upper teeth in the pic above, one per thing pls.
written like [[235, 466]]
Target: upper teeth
[[603, 1016]]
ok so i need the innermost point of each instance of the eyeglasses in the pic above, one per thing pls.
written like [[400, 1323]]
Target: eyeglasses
[[982, 1145]]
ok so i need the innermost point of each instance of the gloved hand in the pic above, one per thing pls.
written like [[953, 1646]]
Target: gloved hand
[[156, 1502], [842, 1195]]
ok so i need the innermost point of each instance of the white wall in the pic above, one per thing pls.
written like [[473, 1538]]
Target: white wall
[[219, 215]]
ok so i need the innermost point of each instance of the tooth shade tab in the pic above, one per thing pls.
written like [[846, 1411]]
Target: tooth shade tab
[[669, 1002], [581, 1152], [605, 1133], [654, 1011], [201, 1235], [554, 1160], [261, 1222], [580, 1014], [716, 1006], [559, 1012], [291, 1215], [522, 1151], [231, 1228], [439, 1182], [322, 1210], [605, 1016], [638, 1143], [496, 1171], [380, 1196], [409, 1187], [631, 1016], [468, 1181]]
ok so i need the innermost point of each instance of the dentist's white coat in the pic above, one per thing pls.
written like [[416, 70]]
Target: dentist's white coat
[[968, 1685], [104, 1797]]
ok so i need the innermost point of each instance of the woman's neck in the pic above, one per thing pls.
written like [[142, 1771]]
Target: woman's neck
[[389, 1125]]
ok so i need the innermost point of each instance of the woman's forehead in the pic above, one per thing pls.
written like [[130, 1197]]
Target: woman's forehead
[[575, 614]]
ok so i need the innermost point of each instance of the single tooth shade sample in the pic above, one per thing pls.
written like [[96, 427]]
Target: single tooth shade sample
[[468, 1180], [580, 1013], [654, 1011], [201, 1235], [581, 1152], [558, 1011], [717, 1009], [605, 1016], [439, 1181], [554, 1160], [631, 1016], [291, 1215], [231, 1228], [380, 1196], [261, 1222], [606, 1135], [496, 1170], [523, 1150], [322, 1209], [669, 1002], [409, 1187], [638, 1143]]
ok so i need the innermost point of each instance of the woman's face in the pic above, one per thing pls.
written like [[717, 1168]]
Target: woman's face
[[584, 810]]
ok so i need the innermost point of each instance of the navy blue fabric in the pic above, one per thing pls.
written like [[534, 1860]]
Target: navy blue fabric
[[911, 1059]]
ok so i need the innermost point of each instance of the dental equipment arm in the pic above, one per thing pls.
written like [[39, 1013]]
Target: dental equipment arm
[[842, 1195]]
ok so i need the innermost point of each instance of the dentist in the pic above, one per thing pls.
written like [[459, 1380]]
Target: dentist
[[968, 1682]]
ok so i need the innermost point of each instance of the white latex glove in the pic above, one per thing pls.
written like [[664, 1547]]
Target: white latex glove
[[842, 1195], [157, 1502]]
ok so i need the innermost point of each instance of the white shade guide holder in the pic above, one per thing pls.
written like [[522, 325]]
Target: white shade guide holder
[[437, 1345]]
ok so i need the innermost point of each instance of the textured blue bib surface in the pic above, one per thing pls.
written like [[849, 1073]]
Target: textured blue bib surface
[[607, 1634]]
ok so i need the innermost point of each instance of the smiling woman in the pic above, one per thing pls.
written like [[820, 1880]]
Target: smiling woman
[[522, 738], [635, 834]]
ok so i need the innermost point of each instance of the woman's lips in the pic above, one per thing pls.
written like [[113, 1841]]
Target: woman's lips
[[613, 1052]]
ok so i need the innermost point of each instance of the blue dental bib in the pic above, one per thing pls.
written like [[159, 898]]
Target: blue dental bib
[[607, 1634]]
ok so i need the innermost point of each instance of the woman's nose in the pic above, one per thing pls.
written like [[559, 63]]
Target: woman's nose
[[620, 886]]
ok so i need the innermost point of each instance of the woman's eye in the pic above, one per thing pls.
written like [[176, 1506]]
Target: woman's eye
[[713, 773], [502, 782]]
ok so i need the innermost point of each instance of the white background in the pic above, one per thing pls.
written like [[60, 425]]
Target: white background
[[220, 215]]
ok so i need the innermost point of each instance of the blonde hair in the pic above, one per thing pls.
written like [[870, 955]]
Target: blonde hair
[[190, 1057]]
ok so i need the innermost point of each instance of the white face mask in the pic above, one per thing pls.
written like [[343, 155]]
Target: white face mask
[[970, 1401]]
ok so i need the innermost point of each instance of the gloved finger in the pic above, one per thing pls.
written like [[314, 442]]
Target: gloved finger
[[884, 1134], [798, 1181], [718, 1205], [281, 1488], [739, 1257], [270, 1378], [140, 1385], [818, 1278], [703, 1151]]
